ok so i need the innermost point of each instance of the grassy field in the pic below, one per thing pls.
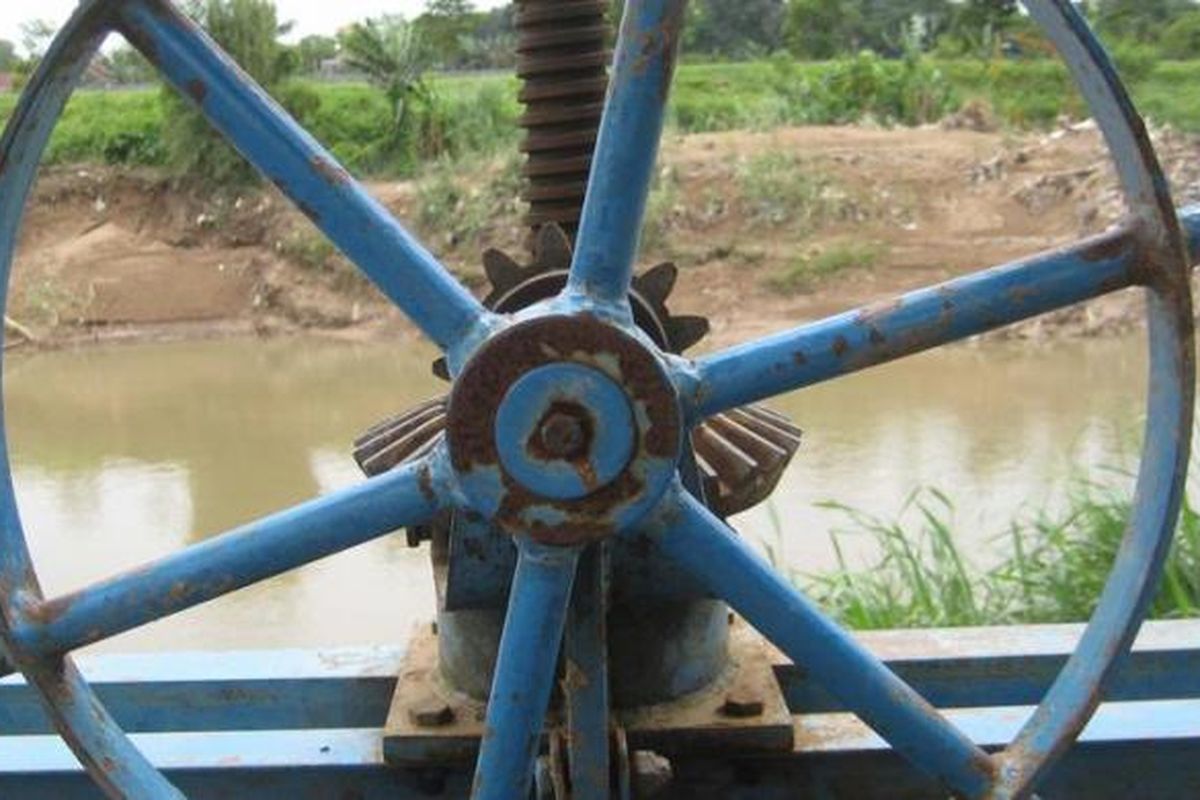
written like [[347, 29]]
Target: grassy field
[[477, 114]]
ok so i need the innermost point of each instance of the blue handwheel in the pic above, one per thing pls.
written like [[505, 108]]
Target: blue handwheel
[[600, 414]]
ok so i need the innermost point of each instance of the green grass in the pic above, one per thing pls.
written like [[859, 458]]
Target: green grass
[[809, 269], [478, 114], [1055, 565], [460, 204], [778, 189]]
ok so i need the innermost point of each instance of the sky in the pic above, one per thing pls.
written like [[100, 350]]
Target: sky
[[310, 16]]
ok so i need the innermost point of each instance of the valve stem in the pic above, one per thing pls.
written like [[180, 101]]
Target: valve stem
[[562, 60]]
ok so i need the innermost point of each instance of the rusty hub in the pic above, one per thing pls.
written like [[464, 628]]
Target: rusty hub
[[564, 432], [586, 467]]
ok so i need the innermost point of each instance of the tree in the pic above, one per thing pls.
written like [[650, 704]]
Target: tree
[[36, 35], [443, 27], [735, 30], [899, 26], [827, 28], [248, 30], [493, 42], [8, 56], [1138, 20], [1181, 39], [391, 53], [821, 29], [980, 24], [312, 51], [450, 9], [127, 66]]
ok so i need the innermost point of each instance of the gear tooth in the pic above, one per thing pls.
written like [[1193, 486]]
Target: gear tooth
[[441, 369], [657, 282], [685, 331], [552, 250], [502, 272]]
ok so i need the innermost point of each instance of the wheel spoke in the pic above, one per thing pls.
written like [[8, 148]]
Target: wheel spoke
[[914, 322], [246, 555], [304, 171], [723, 562], [525, 667], [626, 148]]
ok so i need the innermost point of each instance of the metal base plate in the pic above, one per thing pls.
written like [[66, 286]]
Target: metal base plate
[[744, 712]]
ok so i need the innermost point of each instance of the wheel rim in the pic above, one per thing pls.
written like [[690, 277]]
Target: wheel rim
[[1148, 251]]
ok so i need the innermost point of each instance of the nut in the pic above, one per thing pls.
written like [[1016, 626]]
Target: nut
[[431, 712], [741, 705]]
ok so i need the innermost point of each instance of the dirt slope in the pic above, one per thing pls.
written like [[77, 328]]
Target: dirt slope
[[107, 254]]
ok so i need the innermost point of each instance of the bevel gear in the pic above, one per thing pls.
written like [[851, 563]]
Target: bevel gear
[[740, 455]]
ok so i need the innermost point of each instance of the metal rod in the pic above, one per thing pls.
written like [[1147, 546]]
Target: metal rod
[[623, 164], [303, 170], [725, 563], [525, 667], [917, 321], [585, 660], [249, 554]]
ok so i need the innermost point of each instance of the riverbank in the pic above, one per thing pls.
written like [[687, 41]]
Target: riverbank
[[769, 230]]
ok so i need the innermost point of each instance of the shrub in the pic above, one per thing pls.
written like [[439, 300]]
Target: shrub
[[809, 269], [907, 91], [247, 30], [1181, 39]]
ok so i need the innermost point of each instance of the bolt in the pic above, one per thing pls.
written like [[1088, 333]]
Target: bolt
[[563, 435], [741, 705], [431, 712]]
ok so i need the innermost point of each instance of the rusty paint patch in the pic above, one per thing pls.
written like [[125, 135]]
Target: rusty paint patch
[[582, 339], [840, 346], [48, 611], [330, 172], [178, 593], [425, 483], [1019, 295], [304, 208], [1106, 246], [197, 89], [872, 313], [574, 676], [672, 34]]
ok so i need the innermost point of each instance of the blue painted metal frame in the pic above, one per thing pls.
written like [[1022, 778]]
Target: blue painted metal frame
[[913, 322], [525, 667], [1152, 250], [307, 173], [585, 683], [692, 536], [337, 699], [623, 164], [231, 561]]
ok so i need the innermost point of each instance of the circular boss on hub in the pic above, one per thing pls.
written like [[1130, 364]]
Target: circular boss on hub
[[564, 428]]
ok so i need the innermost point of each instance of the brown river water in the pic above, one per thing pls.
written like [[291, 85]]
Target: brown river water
[[123, 454]]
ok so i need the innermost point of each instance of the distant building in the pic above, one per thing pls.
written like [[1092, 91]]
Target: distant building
[[6, 82]]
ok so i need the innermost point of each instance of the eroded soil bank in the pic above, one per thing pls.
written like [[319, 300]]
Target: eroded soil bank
[[768, 229]]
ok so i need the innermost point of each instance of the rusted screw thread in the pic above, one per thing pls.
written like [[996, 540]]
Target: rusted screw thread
[[562, 59]]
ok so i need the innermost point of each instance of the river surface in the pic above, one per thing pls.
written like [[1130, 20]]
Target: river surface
[[124, 454]]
